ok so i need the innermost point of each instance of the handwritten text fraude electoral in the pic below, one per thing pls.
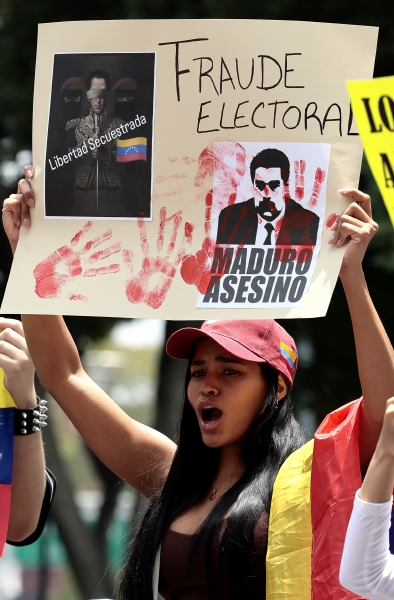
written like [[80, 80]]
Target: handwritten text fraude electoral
[[216, 78]]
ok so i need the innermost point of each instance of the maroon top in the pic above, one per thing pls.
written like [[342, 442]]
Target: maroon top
[[176, 582]]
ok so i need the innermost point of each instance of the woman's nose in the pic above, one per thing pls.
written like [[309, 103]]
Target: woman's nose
[[208, 387]]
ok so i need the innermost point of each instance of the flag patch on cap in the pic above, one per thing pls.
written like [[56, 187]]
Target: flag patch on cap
[[287, 355]]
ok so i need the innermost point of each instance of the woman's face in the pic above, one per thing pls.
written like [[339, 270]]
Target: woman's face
[[225, 392]]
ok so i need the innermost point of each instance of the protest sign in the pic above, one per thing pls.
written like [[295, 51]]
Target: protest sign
[[184, 174], [373, 106]]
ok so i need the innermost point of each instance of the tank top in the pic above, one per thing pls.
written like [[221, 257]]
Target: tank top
[[179, 582]]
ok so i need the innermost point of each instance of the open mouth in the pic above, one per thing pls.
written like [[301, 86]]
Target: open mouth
[[210, 416]]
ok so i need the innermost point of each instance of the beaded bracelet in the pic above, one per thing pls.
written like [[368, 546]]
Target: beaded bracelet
[[30, 420]]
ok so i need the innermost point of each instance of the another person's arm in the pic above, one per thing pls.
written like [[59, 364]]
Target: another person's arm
[[375, 356], [367, 566], [136, 453], [28, 478]]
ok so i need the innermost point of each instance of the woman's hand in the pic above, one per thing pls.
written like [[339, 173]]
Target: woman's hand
[[354, 227], [16, 208], [16, 363], [375, 356]]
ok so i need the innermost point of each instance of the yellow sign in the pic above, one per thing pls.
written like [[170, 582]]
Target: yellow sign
[[373, 107]]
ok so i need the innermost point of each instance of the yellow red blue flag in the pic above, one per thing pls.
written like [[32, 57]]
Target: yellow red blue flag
[[131, 149], [6, 457]]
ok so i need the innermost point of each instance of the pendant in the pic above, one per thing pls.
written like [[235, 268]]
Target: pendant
[[213, 495]]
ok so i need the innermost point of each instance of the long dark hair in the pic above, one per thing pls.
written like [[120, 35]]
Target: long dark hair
[[273, 436]]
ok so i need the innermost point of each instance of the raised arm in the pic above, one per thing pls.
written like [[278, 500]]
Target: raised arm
[[367, 566], [28, 478], [136, 453], [375, 355]]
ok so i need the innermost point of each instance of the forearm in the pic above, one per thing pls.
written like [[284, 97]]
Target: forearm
[[52, 349], [28, 477], [98, 419], [367, 567], [28, 486], [375, 355], [133, 451], [378, 483], [379, 480], [137, 453], [375, 359]]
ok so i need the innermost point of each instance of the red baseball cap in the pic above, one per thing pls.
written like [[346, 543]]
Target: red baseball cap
[[261, 340]]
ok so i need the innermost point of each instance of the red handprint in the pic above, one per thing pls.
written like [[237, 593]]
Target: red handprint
[[299, 173], [227, 162], [49, 278], [137, 288], [320, 176], [331, 220]]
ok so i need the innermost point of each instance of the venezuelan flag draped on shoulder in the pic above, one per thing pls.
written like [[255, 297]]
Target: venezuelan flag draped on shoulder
[[311, 507]]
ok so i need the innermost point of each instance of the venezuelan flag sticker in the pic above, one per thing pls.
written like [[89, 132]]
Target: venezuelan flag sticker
[[287, 355], [131, 149]]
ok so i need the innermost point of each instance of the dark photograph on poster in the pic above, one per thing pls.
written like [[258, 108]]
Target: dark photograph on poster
[[100, 136]]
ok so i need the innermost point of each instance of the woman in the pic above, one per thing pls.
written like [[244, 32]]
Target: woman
[[367, 566], [32, 487], [236, 430]]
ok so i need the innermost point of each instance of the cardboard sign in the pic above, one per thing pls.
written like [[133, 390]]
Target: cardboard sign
[[373, 107], [184, 174]]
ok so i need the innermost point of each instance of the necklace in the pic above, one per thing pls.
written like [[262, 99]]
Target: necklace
[[215, 490]]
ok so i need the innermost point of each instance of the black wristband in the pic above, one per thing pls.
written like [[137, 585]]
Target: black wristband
[[30, 420]]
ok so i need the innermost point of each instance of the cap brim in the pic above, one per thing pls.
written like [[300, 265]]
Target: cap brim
[[182, 343]]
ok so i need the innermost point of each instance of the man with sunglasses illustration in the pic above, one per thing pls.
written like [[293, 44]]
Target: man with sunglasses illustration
[[270, 218]]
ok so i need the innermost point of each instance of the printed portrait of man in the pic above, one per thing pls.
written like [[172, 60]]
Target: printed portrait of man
[[269, 218], [97, 188], [99, 143]]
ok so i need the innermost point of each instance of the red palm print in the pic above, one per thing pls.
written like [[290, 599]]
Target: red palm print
[[67, 264], [162, 266], [227, 162]]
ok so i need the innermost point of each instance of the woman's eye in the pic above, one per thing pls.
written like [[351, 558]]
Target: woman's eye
[[197, 374], [231, 372]]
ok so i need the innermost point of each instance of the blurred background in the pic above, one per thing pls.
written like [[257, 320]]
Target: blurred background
[[93, 513]]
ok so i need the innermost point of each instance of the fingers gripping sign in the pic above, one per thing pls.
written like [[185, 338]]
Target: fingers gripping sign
[[67, 264], [354, 227], [163, 268], [16, 366], [16, 208]]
